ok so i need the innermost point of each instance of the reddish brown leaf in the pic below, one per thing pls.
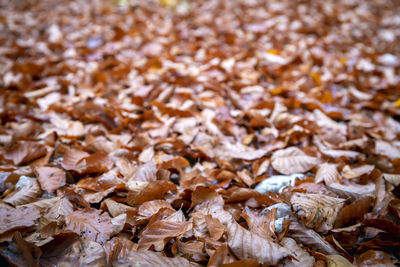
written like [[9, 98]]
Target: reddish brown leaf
[[24, 152], [50, 178], [91, 224], [14, 218]]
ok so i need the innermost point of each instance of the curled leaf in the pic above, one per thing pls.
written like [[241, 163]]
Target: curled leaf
[[316, 211]]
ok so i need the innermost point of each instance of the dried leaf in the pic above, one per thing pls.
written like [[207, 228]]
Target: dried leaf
[[150, 258], [50, 178], [157, 233], [327, 173], [292, 160], [386, 149], [337, 261], [16, 218], [145, 173], [24, 152], [301, 257], [149, 208], [249, 245], [91, 224], [316, 211], [310, 238], [350, 173], [115, 208], [215, 227], [25, 195]]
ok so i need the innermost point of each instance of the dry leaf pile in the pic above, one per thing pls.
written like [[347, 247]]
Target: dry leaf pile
[[189, 133]]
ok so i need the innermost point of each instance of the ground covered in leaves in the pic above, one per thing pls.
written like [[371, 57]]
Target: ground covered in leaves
[[194, 133]]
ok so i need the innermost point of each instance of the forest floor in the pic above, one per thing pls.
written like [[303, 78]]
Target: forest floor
[[200, 133]]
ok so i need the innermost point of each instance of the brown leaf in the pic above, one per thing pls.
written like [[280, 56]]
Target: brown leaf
[[149, 208], [301, 257], [349, 172], [246, 244], [242, 263], [21, 253], [292, 160], [354, 212], [316, 211], [82, 252], [261, 224], [117, 248], [59, 210], [90, 223], [374, 258], [15, 218], [145, 173], [215, 227], [150, 258], [193, 248], [71, 159], [201, 194], [157, 233], [50, 178], [25, 195], [153, 190], [337, 261], [115, 208], [328, 174], [309, 238], [24, 152]]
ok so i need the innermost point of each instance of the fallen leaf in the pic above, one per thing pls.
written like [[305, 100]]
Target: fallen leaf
[[327, 173], [318, 212], [24, 152], [25, 195], [50, 178], [150, 258], [245, 244], [91, 224], [292, 160], [17, 218]]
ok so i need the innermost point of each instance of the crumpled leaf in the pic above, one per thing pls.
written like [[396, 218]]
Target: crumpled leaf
[[91, 224], [292, 160], [316, 211], [82, 162], [150, 191], [261, 224]]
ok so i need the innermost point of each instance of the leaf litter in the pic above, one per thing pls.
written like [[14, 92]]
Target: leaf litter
[[200, 133]]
